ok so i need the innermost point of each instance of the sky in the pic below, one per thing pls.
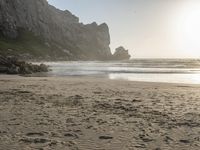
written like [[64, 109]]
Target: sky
[[147, 28]]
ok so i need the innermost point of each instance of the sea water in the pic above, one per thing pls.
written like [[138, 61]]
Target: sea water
[[148, 70]]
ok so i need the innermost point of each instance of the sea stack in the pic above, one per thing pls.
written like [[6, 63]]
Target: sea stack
[[121, 54]]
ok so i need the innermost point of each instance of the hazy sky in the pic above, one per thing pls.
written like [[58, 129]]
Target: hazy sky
[[148, 28]]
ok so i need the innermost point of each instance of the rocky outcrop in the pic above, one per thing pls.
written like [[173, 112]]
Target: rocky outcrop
[[11, 65], [59, 31], [121, 54]]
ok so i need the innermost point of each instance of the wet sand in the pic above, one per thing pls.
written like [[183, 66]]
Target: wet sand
[[48, 113]]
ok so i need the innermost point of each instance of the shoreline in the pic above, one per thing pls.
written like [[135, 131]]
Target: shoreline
[[95, 113], [92, 77]]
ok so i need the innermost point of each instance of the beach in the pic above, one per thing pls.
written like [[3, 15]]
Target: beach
[[91, 113]]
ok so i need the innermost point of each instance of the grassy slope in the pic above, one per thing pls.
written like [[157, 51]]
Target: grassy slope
[[27, 43]]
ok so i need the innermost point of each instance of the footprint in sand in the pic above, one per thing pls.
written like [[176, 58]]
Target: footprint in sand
[[34, 134], [71, 135], [105, 137], [34, 137], [35, 140]]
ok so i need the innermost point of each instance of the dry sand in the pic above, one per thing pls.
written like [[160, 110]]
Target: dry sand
[[97, 114]]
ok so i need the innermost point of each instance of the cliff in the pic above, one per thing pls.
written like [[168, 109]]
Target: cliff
[[35, 29]]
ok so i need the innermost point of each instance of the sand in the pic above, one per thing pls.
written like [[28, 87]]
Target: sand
[[73, 113]]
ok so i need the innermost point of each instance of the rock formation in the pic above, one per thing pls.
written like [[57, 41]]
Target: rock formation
[[121, 54], [11, 65], [57, 34]]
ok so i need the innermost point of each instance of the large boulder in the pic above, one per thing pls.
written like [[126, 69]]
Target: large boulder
[[121, 54]]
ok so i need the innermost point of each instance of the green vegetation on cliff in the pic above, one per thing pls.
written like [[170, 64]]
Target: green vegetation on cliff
[[29, 45]]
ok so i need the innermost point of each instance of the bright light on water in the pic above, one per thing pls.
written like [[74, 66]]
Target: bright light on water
[[166, 78], [170, 71]]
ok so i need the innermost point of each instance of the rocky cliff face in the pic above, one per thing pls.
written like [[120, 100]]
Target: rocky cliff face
[[60, 31]]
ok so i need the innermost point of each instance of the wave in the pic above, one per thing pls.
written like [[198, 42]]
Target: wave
[[159, 70]]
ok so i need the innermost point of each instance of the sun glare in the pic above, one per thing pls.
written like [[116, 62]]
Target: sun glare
[[187, 29]]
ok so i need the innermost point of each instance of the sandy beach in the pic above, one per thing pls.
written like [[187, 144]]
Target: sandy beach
[[88, 113]]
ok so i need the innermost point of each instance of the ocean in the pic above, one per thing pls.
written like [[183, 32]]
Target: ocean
[[185, 71]]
